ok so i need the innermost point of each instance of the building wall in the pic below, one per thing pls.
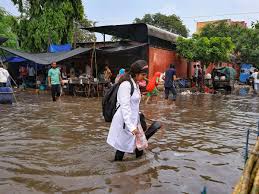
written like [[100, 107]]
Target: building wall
[[201, 25], [160, 59]]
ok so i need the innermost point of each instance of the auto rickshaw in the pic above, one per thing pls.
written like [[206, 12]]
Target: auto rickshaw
[[223, 78]]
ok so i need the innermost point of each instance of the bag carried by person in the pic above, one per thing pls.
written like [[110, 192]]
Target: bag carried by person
[[109, 101], [141, 140]]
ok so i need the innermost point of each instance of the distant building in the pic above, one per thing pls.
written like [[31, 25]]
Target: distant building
[[201, 25]]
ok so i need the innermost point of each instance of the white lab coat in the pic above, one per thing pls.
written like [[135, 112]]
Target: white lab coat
[[128, 113]]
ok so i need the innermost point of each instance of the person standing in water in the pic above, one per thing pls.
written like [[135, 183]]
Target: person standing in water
[[123, 129], [255, 77], [170, 77], [54, 81]]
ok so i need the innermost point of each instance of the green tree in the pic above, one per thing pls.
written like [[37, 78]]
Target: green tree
[[185, 47], [248, 46], [206, 50], [171, 23], [255, 25], [246, 40], [6, 23], [83, 35], [48, 21]]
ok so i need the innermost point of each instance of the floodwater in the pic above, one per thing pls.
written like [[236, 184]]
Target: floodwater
[[60, 147]]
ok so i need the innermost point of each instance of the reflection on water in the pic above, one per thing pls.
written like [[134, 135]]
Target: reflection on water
[[48, 147]]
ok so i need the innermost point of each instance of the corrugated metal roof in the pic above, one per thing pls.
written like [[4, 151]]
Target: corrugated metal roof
[[136, 32]]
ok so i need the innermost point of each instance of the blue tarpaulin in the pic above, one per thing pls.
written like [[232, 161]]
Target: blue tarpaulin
[[245, 72], [15, 59], [59, 48]]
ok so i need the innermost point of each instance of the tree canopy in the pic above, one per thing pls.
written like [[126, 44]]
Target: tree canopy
[[6, 23], [171, 23], [207, 50], [255, 25], [246, 40], [49, 21]]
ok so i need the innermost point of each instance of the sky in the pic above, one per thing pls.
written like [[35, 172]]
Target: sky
[[106, 12]]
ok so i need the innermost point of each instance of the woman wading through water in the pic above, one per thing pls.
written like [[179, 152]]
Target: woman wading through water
[[123, 129]]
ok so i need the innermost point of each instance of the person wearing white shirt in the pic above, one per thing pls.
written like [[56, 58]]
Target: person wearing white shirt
[[32, 73], [4, 76], [126, 119], [255, 77]]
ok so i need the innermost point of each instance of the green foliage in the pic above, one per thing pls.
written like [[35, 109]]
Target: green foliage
[[185, 47], [255, 25], [83, 35], [220, 49], [246, 40], [171, 23], [43, 22], [248, 45], [206, 50], [6, 23]]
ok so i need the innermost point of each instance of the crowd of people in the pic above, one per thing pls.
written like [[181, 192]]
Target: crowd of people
[[56, 76], [126, 127]]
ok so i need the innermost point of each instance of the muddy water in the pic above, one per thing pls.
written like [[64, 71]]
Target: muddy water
[[48, 147]]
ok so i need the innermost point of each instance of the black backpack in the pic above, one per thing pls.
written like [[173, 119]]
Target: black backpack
[[110, 100]]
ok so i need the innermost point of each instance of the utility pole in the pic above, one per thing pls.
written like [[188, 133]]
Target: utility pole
[[75, 34]]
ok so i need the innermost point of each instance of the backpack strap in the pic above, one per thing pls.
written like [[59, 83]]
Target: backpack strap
[[131, 93], [132, 88]]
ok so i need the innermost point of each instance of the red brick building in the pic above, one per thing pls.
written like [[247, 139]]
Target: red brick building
[[156, 46]]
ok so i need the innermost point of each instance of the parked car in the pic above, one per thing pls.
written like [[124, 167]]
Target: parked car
[[223, 78]]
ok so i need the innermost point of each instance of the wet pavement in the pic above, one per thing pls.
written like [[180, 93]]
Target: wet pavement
[[48, 147]]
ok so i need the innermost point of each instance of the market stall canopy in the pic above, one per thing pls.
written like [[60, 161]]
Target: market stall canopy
[[137, 32], [47, 58]]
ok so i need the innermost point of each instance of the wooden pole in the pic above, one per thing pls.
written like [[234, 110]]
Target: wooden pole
[[104, 40]]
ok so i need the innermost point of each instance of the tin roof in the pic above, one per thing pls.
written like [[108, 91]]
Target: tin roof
[[137, 32]]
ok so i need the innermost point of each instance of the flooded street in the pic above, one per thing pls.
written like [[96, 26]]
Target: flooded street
[[61, 147]]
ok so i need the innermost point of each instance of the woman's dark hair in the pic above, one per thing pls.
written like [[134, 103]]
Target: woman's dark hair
[[172, 66], [137, 67]]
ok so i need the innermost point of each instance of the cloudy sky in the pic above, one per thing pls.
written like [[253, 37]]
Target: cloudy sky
[[125, 11]]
